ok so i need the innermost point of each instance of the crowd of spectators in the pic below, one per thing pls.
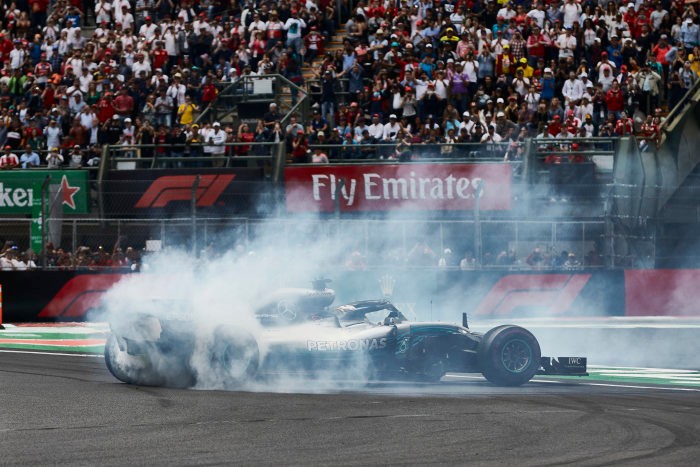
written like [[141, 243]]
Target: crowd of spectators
[[79, 74], [410, 72], [422, 255], [13, 258], [421, 72]]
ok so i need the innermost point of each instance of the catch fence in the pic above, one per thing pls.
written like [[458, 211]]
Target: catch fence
[[482, 244]]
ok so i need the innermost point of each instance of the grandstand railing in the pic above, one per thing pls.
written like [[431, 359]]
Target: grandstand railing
[[382, 243], [673, 117], [260, 89], [132, 156], [391, 152]]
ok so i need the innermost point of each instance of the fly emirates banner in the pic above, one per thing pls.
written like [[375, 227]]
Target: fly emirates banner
[[387, 187]]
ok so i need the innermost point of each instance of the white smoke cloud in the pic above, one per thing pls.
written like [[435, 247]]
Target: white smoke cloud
[[221, 293]]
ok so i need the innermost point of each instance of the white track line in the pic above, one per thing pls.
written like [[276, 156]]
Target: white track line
[[583, 383], [39, 352], [628, 386]]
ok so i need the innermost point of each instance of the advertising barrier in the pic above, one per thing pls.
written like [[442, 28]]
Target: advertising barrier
[[427, 294], [46, 296], [388, 187], [20, 189], [662, 292], [153, 193]]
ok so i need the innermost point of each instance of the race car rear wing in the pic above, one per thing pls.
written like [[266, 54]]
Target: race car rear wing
[[567, 366]]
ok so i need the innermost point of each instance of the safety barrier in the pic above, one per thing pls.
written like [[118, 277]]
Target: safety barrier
[[438, 295]]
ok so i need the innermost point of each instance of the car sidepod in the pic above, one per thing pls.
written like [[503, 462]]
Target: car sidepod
[[428, 351]]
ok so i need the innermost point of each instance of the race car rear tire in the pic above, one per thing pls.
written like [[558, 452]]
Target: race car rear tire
[[235, 357], [509, 355], [139, 370]]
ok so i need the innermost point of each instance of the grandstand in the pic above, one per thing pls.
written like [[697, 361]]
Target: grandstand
[[557, 113]]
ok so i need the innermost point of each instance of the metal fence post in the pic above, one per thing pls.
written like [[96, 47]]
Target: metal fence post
[[42, 217], [477, 224], [193, 214]]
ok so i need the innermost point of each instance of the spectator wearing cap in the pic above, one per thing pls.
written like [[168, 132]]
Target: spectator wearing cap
[[391, 129], [661, 51], [689, 34], [18, 56], [42, 70], [145, 25], [215, 138], [272, 116], [521, 83], [649, 83], [294, 27], [53, 133], [313, 42], [318, 124], [76, 104], [185, 111], [566, 43], [54, 159], [329, 86], [75, 157], [505, 62], [111, 130], [431, 102]]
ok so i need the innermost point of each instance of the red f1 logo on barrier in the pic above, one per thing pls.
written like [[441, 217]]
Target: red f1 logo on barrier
[[165, 189], [79, 295], [545, 294]]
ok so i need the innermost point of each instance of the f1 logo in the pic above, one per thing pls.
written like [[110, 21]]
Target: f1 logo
[[170, 188], [546, 294]]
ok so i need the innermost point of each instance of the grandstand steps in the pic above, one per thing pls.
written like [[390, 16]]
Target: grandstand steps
[[87, 31], [335, 43]]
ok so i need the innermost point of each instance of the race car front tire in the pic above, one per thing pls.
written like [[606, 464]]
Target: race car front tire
[[509, 355]]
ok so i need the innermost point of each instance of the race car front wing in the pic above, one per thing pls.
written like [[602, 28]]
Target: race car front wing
[[563, 366]]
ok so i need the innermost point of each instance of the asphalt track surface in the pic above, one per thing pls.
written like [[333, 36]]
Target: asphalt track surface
[[67, 409]]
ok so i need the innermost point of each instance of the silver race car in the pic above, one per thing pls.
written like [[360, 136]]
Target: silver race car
[[299, 332]]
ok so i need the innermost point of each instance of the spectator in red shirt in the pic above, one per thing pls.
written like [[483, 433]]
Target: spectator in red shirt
[[8, 160], [299, 147], [160, 56], [105, 108], [625, 125], [615, 99], [209, 91], [123, 104]]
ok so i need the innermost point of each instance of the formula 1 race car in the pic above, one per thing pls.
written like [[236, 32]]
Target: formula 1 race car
[[300, 333]]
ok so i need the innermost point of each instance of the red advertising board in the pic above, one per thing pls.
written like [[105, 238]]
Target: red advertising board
[[662, 292], [386, 187]]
